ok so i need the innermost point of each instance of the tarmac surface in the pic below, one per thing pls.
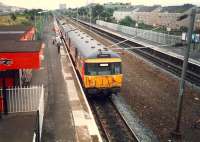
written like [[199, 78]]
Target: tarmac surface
[[18, 127], [58, 122]]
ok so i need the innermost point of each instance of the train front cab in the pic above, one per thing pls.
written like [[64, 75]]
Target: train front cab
[[102, 75]]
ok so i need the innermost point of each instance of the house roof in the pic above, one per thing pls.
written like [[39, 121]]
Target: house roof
[[148, 8], [177, 9]]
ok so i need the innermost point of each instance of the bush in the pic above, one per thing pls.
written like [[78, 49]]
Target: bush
[[127, 21], [13, 17]]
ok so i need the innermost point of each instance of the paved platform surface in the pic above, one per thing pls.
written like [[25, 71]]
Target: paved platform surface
[[17, 127], [67, 117], [180, 50], [86, 128], [58, 122]]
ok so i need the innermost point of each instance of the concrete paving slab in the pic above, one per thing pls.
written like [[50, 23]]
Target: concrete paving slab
[[17, 127], [58, 121]]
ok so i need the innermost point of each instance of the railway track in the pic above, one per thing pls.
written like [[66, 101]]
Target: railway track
[[164, 61], [113, 125]]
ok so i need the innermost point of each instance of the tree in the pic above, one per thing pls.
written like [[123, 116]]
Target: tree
[[83, 11], [127, 21], [32, 17], [96, 10], [107, 13], [142, 25], [13, 17]]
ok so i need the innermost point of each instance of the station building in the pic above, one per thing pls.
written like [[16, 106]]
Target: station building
[[19, 54]]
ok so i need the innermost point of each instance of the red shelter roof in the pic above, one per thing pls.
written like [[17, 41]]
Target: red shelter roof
[[20, 55], [17, 33]]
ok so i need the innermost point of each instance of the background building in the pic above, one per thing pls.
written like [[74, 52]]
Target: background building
[[159, 16], [62, 6], [117, 5], [4, 9]]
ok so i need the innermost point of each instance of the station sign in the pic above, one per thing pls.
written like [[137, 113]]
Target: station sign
[[195, 37], [12, 61], [6, 62]]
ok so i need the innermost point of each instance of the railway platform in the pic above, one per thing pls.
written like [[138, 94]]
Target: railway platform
[[68, 116], [18, 127]]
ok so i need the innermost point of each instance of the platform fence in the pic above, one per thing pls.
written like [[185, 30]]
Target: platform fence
[[23, 99], [149, 35], [27, 99]]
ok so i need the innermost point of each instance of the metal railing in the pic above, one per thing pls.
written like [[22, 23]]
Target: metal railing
[[150, 35], [41, 112], [24, 99], [27, 99]]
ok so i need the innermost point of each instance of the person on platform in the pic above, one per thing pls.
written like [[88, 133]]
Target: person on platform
[[58, 43]]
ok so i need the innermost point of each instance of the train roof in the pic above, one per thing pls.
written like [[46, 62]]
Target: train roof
[[86, 45]]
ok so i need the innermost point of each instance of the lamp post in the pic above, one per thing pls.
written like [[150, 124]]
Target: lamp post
[[41, 23], [77, 15], [136, 26], [168, 39]]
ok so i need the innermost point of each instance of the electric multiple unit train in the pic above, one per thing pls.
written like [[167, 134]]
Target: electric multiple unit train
[[99, 68]]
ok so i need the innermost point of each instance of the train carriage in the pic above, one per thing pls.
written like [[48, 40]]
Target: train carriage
[[99, 68]]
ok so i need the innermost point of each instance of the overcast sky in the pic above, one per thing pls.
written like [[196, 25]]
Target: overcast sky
[[53, 4]]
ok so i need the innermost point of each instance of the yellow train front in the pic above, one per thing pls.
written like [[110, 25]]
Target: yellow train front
[[99, 68], [102, 75]]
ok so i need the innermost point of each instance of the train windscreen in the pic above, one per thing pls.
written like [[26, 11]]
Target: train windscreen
[[102, 68]]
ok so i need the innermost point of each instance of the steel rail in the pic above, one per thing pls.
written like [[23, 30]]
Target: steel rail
[[99, 108], [172, 67]]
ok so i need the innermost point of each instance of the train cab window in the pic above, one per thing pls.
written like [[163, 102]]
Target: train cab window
[[116, 68], [103, 69], [91, 69]]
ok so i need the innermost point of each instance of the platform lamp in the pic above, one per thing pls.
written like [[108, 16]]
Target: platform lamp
[[40, 26], [136, 28]]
